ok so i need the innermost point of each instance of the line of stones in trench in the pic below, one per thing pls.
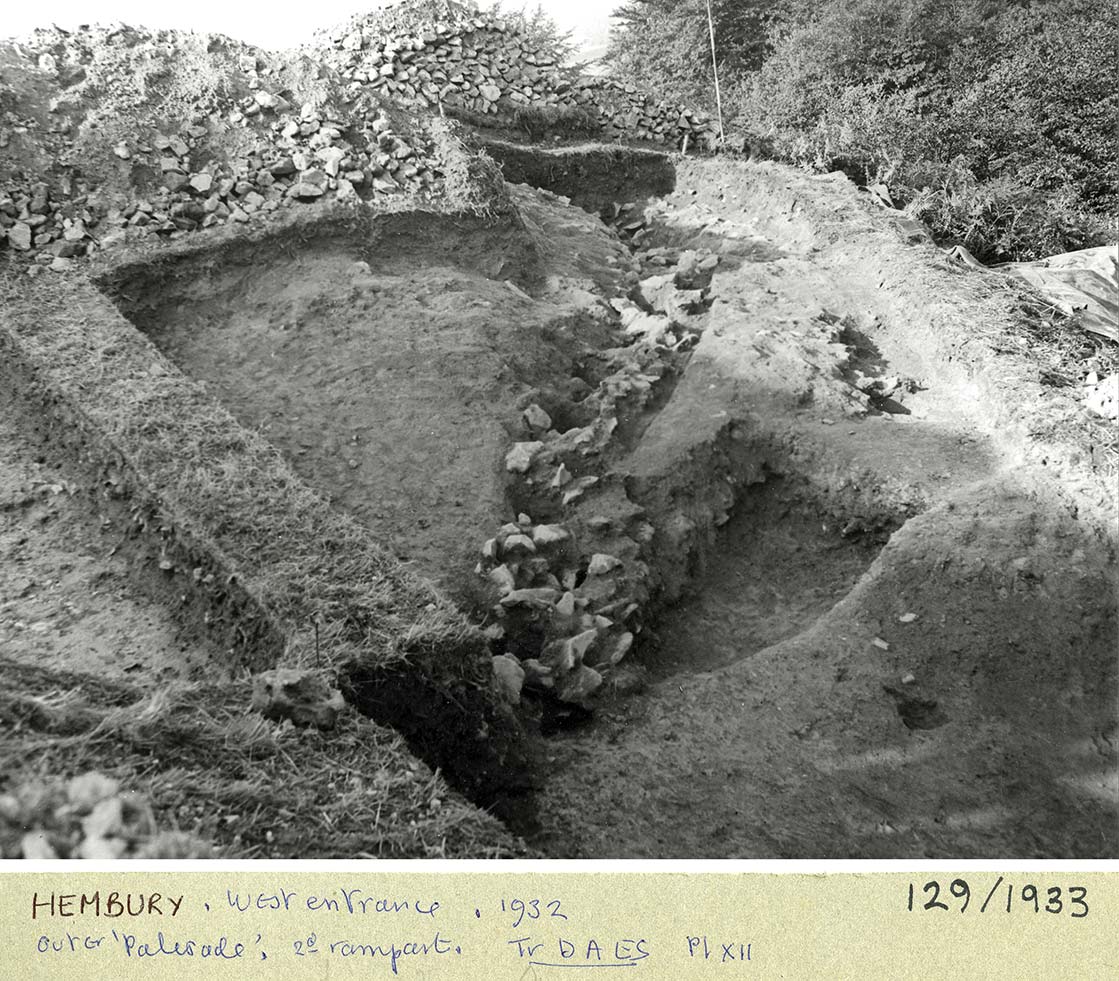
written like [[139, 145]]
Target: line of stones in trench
[[571, 610], [567, 618]]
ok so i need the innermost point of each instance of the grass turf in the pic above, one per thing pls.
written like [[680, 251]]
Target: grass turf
[[252, 788]]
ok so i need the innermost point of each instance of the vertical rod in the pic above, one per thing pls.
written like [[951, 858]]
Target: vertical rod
[[715, 69]]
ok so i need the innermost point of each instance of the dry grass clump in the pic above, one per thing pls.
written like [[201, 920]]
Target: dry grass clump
[[1031, 359], [472, 182], [565, 122], [1064, 350], [206, 770]]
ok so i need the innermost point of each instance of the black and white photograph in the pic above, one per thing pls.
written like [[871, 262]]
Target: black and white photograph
[[575, 430]]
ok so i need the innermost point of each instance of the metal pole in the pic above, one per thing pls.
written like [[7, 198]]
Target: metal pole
[[715, 69]]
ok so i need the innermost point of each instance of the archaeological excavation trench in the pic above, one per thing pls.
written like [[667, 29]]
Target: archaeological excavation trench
[[763, 568], [698, 521], [418, 448]]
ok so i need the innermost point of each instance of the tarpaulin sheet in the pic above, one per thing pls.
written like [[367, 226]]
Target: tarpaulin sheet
[[1084, 283]]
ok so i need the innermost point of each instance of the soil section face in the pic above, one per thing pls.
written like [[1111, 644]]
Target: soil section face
[[777, 568]]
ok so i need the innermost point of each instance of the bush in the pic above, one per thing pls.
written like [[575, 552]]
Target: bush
[[1042, 98], [539, 29], [1004, 219], [993, 121]]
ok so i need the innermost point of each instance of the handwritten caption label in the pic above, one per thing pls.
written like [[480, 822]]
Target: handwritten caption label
[[520, 926], [395, 941], [353, 902]]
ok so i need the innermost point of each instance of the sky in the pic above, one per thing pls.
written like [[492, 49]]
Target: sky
[[273, 25]]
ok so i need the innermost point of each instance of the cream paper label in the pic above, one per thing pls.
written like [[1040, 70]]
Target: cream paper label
[[542, 925]]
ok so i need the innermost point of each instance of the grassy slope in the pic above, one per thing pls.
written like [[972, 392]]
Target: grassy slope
[[254, 788]]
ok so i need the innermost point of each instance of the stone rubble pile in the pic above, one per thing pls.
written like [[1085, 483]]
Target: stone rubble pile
[[243, 143], [569, 593], [342, 146], [301, 696], [668, 307], [1101, 396], [303, 154], [87, 816], [570, 609], [422, 52], [307, 159], [35, 222]]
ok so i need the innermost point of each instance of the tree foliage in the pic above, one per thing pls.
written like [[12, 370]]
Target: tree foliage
[[539, 28], [665, 43], [993, 119]]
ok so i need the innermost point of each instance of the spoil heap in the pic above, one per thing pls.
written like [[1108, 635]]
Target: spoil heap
[[118, 132], [452, 54], [124, 133]]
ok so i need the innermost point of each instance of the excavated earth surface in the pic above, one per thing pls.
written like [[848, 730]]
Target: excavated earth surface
[[837, 597], [70, 602], [392, 374], [903, 641]]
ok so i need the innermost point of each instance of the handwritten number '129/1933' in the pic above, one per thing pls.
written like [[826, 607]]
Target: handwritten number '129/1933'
[[530, 909], [1054, 899]]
